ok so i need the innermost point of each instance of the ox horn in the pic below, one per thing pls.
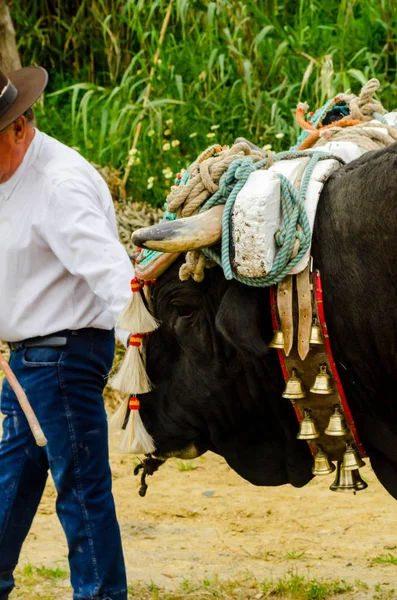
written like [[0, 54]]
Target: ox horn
[[155, 267], [191, 233]]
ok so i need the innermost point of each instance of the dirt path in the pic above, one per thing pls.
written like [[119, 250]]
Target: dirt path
[[206, 522], [200, 520]]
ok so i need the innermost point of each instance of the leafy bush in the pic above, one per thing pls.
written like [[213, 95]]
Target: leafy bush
[[227, 68]]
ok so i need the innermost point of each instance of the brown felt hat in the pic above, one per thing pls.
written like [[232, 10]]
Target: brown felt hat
[[18, 91]]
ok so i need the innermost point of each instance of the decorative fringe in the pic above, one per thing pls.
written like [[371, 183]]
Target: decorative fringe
[[148, 296], [143, 442], [136, 439], [117, 420], [136, 316], [128, 437], [131, 377]]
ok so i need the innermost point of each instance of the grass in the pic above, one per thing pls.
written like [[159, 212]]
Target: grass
[[29, 571], [227, 68], [41, 583], [383, 592], [294, 554], [51, 584], [297, 587], [186, 465], [385, 559]]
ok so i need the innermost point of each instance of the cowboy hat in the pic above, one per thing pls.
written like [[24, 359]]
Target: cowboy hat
[[18, 91]]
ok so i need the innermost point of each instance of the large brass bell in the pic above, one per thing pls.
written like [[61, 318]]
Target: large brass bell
[[322, 466], [307, 429], [316, 336], [351, 459], [278, 340], [347, 481], [322, 383], [336, 426], [294, 388]]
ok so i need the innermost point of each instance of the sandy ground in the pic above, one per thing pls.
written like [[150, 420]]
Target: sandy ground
[[200, 520], [206, 522]]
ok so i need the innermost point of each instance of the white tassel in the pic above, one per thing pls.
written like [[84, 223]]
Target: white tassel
[[117, 420], [128, 437], [142, 440], [136, 316], [148, 295], [132, 377], [136, 439]]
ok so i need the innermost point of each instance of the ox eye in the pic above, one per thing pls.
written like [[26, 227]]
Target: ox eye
[[184, 311]]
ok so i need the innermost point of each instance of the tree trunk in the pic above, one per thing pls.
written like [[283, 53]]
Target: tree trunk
[[9, 56]]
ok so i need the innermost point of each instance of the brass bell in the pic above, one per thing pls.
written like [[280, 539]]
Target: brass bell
[[322, 466], [359, 482], [322, 383], [352, 459], [278, 340], [316, 336], [336, 426], [294, 388], [307, 429], [347, 481]]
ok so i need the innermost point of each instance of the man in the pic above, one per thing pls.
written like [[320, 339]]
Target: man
[[64, 279]]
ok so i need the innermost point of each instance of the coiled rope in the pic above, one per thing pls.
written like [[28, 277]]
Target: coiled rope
[[294, 236], [219, 173], [354, 127]]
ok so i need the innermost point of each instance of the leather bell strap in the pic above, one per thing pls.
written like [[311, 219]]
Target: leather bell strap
[[316, 355], [281, 355], [323, 325]]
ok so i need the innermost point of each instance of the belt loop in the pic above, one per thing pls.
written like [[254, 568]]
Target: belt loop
[[14, 346]]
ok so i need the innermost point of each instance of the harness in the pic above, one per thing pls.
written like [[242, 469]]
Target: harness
[[312, 382]]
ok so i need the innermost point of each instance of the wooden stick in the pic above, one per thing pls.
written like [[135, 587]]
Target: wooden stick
[[147, 94], [34, 425]]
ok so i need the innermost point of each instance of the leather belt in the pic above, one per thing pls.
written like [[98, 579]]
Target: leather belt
[[54, 341]]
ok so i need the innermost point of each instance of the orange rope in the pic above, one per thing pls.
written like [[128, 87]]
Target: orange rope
[[314, 136], [300, 119]]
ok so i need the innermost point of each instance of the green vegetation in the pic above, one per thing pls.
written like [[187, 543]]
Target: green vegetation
[[301, 588], [186, 465], [385, 559], [294, 554], [46, 584], [41, 583], [227, 68], [383, 592], [30, 571]]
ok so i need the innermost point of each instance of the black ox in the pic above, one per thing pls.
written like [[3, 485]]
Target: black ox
[[218, 387]]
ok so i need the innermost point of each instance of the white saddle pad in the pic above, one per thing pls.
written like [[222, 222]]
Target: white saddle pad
[[257, 210]]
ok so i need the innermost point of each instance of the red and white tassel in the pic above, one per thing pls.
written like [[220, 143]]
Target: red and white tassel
[[136, 439], [136, 316], [131, 377]]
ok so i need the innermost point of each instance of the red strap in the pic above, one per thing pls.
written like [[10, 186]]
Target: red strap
[[346, 409]]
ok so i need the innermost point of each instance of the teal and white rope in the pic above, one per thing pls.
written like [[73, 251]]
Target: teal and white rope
[[295, 224]]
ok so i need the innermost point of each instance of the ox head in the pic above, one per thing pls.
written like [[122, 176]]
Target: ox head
[[216, 386]]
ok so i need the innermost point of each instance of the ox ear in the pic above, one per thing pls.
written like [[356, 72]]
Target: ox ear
[[239, 320]]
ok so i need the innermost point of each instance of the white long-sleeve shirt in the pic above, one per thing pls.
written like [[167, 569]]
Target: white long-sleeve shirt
[[61, 263]]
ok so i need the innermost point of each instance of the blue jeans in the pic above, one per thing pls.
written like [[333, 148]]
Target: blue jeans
[[64, 386]]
